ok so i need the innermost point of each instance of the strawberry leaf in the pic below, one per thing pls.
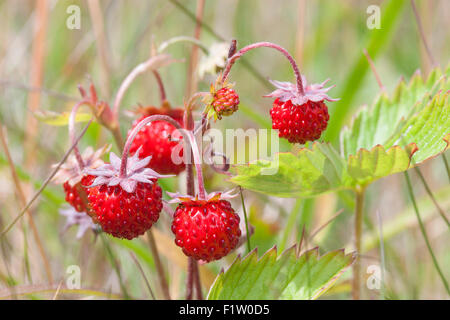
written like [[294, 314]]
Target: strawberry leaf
[[429, 129], [389, 118], [368, 166], [394, 134], [307, 173], [285, 276], [318, 170]]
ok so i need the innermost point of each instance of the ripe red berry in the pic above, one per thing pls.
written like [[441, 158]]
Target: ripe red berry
[[126, 205], [74, 196], [225, 102], [126, 215], [70, 175], [299, 123], [206, 230], [158, 140], [300, 116]]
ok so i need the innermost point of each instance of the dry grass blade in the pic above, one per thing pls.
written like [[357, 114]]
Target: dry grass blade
[[23, 202], [136, 261], [36, 77], [46, 182], [158, 265], [326, 224]]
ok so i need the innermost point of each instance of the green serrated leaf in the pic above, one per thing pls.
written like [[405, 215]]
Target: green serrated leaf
[[389, 116], [321, 169], [308, 173], [429, 129], [60, 119], [286, 276], [368, 166]]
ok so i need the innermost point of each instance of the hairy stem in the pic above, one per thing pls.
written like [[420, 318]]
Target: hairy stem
[[137, 128], [241, 52], [359, 209], [158, 265], [162, 90], [193, 275]]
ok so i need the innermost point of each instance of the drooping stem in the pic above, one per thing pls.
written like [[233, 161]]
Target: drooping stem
[[72, 136], [150, 64], [162, 91], [359, 209], [158, 265], [241, 52], [137, 128], [192, 40]]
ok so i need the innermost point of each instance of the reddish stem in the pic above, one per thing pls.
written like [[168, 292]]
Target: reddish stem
[[187, 135], [162, 91], [241, 52], [72, 137]]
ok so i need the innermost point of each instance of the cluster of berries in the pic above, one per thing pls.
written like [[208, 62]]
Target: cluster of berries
[[123, 196]]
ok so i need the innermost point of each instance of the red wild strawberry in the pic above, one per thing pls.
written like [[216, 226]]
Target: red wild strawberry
[[299, 117], [125, 206], [206, 229], [70, 176], [74, 197], [299, 123], [158, 140]]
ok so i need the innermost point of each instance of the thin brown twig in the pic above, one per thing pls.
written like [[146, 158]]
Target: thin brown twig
[[326, 224], [46, 182], [422, 34], [23, 202], [374, 70]]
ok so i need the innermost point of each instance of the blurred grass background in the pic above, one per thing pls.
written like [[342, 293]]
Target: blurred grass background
[[40, 69]]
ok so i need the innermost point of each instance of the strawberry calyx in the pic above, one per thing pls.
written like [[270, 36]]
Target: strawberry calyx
[[110, 175], [286, 91], [178, 197]]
